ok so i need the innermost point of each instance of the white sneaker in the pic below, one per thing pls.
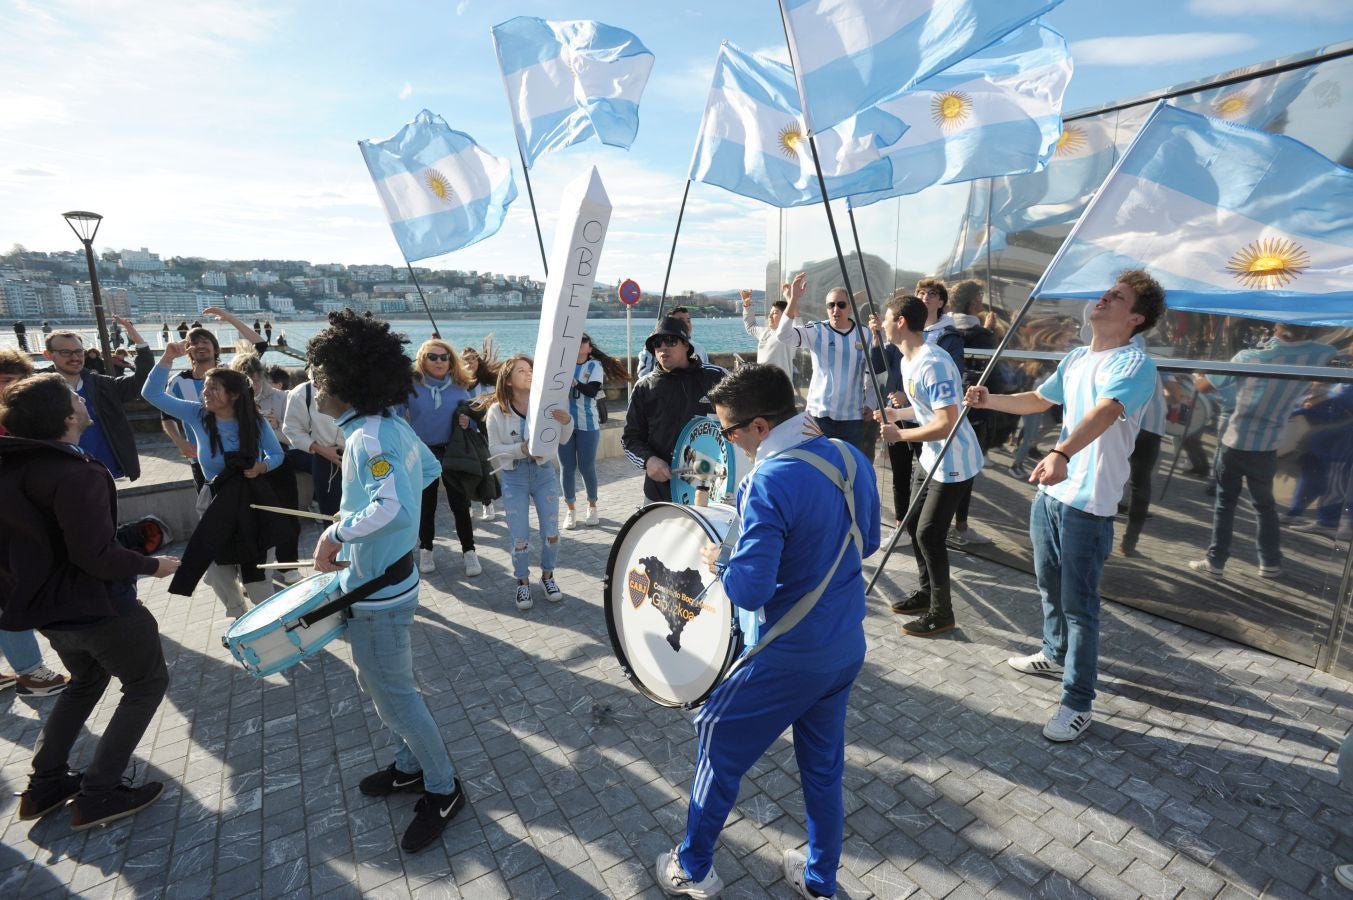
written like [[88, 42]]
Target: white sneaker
[[591, 516], [1344, 875], [486, 511], [795, 865], [1035, 664], [1205, 567], [552, 592], [426, 563], [290, 576], [1270, 571], [570, 519], [523, 597], [970, 536], [674, 881], [1066, 724], [472, 566]]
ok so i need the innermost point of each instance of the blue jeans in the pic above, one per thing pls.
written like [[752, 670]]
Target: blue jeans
[[1070, 547], [382, 650], [849, 430], [735, 727], [524, 483], [22, 650], [580, 455], [1256, 469]]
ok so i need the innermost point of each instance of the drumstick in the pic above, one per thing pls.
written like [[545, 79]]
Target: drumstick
[[287, 565], [294, 512]]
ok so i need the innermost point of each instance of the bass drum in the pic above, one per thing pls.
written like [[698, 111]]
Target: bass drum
[[672, 627], [703, 455]]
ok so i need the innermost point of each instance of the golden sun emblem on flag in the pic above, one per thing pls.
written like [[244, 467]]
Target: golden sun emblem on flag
[[1231, 106], [789, 139], [951, 109], [1269, 263], [439, 185], [1071, 142]]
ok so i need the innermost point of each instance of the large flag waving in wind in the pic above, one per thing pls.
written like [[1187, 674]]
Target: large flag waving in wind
[[850, 54], [752, 140], [572, 80], [1231, 220], [441, 191], [998, 112]]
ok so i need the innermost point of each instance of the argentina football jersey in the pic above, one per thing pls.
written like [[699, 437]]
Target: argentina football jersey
[[933, 382], [837, 388]]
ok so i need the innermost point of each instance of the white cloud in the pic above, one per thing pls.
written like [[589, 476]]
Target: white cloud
[[462, 6], [1158, 49], [1321, 10], [406, 92]]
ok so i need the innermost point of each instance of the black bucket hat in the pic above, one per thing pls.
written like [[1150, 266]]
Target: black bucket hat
[[670, 327]]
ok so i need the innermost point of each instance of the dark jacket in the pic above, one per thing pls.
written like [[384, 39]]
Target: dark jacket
[[60, 562], [107, 394], [230, 532], [466, 463], [661, 405]]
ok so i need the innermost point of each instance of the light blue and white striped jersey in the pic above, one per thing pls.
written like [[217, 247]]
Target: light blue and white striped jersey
[[1263, 405], [385, 468], [581, 407], [1095, 476], [478, 389], [837, 389], [1153, 417], [932, 381]]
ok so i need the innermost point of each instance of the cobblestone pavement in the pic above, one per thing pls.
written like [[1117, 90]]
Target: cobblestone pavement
[[1208, 772]]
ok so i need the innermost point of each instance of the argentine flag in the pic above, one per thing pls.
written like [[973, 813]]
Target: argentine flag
[[752, 140], [850, 54], [441, 191], [1232, 221], [998, 112], [569, 81]]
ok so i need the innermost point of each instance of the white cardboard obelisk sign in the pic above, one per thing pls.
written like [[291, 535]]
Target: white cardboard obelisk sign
[[584, 216]]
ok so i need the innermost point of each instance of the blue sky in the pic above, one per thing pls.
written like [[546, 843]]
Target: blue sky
[[228, 129]]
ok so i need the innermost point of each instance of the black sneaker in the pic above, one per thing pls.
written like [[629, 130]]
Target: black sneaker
[[431, 815], [119, 803], [391, 781], [36, 802], [929, 626], [911, 604]]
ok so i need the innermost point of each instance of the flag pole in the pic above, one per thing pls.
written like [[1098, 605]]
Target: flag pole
[[521, 154], [662, 302], [427, 309], [836, 238], [859, 254]]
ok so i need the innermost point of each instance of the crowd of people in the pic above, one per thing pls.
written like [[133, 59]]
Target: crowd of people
[[375, 436]]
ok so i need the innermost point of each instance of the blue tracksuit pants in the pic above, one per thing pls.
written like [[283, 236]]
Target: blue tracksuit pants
[[738, 723]]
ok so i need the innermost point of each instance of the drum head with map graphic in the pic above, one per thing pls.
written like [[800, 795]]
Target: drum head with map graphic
[[671, 625], [702, 454]]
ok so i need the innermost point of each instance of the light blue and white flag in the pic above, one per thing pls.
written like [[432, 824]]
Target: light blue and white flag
[[441, 191], [1255, 103], [1231, 220], [571, 80], [850, 54], [998, 112], [752, 140]]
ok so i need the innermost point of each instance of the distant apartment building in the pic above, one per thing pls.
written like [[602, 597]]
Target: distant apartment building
[[321, 286], [216, 280], [371, 274], [331, 306], [140, 261], [171, 280], [242, 303], [258, 279], [21, 299], [281, 304], [174, 304]]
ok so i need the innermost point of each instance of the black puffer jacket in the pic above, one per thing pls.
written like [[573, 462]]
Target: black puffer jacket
[[661, 405]]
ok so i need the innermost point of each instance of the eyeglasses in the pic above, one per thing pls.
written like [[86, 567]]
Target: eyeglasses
[[727, 433], [837, 304], [438, 357], [667, 341], [78, 351]]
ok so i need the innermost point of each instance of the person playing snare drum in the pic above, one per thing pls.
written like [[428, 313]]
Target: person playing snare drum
[[810, 521], [360, 372]]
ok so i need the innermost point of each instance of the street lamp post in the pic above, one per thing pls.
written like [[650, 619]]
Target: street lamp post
[[86, 225]]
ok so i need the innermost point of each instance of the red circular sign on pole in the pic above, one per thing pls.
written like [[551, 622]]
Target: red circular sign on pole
[[629, 292]]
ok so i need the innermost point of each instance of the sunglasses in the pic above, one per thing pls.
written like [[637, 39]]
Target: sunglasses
[[667, 342], [438, 357], [727, 433], [837, 304]]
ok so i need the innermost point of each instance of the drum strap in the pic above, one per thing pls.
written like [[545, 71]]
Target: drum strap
[[806, 603], [398, 571]]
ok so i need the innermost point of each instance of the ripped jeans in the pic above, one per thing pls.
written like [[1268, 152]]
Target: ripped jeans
[[525, 482]]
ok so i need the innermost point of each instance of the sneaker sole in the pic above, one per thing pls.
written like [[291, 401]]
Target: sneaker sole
[[39, 692], [932, 632], [1057, 739], [85, 826], [1041, 673]]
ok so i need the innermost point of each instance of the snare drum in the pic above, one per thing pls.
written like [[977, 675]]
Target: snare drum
[[703, 456], [673, 629], [270, 637]]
